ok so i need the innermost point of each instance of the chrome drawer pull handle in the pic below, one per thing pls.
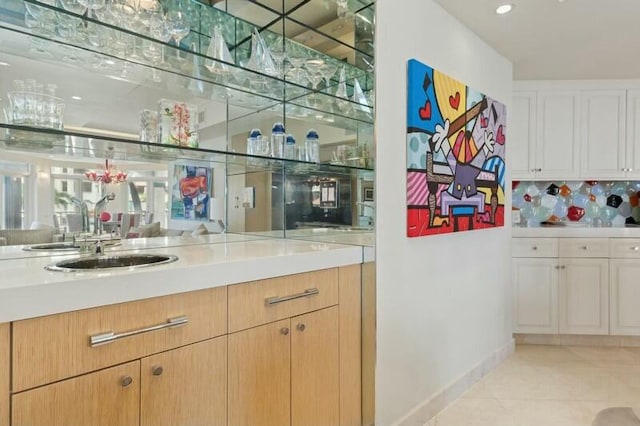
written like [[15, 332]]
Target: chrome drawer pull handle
[[275, 300], [636, 248], [110, 337]]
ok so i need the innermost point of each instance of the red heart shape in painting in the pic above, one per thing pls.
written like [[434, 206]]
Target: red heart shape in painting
[[454, 101], [484, 122], [500, 136], [425, 112]]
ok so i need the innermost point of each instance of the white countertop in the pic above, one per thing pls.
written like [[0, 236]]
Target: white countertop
[[571, 232], [27, 290]]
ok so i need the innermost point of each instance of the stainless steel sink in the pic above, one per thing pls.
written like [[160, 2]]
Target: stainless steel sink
[[92, 263], [68, 246], [51, 247]]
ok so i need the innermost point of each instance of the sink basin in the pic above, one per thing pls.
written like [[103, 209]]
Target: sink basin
[[93, 263], [68, 246], [51, 247]]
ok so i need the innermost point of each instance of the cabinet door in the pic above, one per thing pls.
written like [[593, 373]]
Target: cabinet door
[[108, 397], [186, 386], [535, 305], [603, 134], [558, 135], [260, 376], [633, 132], [584, 296], [625, 296], [522, 140], [4, 374], [315, 372]]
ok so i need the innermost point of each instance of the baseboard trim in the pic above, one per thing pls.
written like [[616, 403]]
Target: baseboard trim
[[576, 340], [428, 409]]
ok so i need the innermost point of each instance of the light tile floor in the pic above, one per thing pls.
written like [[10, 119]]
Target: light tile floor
[[550, 386]]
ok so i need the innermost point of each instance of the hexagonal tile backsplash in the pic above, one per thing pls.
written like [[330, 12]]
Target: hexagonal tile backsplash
[[594, 203]]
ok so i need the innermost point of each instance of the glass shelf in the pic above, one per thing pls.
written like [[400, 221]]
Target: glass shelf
[[127, 60], [64, 145]]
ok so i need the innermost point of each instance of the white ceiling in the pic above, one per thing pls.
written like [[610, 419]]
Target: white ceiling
[[554, 40]]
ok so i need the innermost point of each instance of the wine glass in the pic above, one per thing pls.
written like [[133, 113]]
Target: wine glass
[[178, 26]]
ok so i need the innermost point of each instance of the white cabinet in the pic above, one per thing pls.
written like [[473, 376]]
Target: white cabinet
[[603, 150], [535, 282], [522, 139], [583, 296], [633, 132], [625, 296], [558, 135]]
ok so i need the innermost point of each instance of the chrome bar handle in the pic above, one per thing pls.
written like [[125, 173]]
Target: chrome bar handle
[[110, 337], [275, 300]]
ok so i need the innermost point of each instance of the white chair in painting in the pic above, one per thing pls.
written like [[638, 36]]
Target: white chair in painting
[[128, 221]]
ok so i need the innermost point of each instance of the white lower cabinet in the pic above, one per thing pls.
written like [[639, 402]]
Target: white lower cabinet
[[625, 297], [583, 296], [535, 290], [561, 285]]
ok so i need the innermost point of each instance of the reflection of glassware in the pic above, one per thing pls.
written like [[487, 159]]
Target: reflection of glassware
[[218, 51], [277, 140], [341, 92], [178, 26], [74, 6], [279, 56], [328, 70], [148, 125], [343, 11], [261, 59], [359, 98], [312, 146]]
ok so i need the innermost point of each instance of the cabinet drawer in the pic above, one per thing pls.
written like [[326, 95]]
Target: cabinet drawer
[[625, 247], [60, 347], [584, 247], [534, 247], [259, 302]]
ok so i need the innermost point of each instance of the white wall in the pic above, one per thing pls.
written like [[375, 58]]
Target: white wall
[[443, 301]]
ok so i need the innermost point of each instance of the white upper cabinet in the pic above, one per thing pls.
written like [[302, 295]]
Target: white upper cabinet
[[558, 135], [603, 147], [633, 133], [522, 142]]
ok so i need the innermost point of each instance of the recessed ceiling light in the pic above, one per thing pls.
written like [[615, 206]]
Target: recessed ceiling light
[[4, 64], [505, 8], [76, 98]]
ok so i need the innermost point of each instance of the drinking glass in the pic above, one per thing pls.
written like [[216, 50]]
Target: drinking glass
[[314, 67], [328, 70], [178, 26]]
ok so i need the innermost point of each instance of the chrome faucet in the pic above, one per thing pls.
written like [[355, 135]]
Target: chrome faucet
[[98, 209], [84, 211]]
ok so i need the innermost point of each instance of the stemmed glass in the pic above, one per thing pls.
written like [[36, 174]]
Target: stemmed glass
[[178, 26], [314, 69], [328, 70]]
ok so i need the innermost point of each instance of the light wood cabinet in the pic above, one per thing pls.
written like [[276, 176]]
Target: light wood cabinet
[[315, 372], [286, 373], [260, 376], [58, 344], [535, 288], [584, 296], [558, 135], [108, 397], [297, 362], [185, 386], [625, 297], [5, 350], [603, 154]]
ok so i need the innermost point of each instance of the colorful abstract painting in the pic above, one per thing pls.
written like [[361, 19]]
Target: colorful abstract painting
[[456, 140], [191, 192]]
